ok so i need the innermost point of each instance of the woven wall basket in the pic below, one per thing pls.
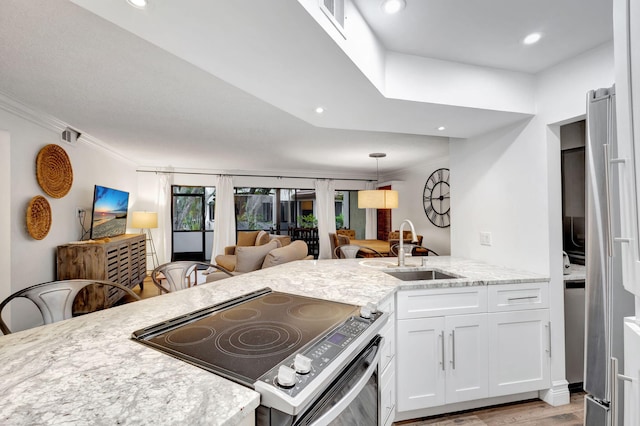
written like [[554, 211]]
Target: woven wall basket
[[38, 217], [53, 170]]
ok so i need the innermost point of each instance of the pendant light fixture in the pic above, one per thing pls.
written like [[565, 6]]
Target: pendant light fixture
[[377, 198]]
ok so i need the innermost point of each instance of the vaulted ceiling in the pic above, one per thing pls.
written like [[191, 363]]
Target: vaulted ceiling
[[232, 86]]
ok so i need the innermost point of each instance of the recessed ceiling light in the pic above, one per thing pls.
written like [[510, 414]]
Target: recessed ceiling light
[[140, 4], [393, 6], [532, 38], [319, 110], [441, 128]]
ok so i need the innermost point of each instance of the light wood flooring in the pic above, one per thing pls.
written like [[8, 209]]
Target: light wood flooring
[[530, 413]]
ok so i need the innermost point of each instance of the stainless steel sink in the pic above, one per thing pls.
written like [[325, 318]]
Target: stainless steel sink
[[420, 275]]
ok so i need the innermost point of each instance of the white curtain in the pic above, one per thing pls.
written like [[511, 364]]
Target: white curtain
[[224, 227], [326, 213], [371, 218], [162, 242]]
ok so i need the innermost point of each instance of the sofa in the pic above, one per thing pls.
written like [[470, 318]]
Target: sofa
[[253, 258]]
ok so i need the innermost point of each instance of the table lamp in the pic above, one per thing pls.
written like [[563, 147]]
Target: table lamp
[[146, 221]]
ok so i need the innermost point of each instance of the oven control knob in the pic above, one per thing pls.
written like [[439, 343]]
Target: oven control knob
[[302, 364], [286, 376], [367, 311]]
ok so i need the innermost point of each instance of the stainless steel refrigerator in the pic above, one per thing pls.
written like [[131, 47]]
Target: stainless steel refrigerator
[[607, 303]]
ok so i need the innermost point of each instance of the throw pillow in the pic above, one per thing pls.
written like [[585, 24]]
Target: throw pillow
[[247, 238], [262, 238], [297, 250], [250, 258]]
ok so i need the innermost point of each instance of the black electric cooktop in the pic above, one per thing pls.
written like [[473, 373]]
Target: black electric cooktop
[[245, 337]]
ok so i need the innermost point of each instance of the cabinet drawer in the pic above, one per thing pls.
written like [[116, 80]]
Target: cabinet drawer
[[388, 305], [441, 301], [516, 297], [388, 350]]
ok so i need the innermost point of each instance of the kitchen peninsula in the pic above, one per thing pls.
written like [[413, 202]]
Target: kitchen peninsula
[[88, 371]]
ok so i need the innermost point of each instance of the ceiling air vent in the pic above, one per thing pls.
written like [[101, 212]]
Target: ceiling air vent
[[334, 10]]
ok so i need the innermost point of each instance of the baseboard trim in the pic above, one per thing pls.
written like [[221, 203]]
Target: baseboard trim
[[557, 395], [464, 406]]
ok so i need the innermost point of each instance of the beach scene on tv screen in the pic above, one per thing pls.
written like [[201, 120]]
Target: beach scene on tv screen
[[109, 213]]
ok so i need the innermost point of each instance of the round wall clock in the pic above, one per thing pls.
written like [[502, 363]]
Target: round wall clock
[[435, 198]]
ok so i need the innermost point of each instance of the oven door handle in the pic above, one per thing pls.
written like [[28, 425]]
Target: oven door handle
[[353, 393]]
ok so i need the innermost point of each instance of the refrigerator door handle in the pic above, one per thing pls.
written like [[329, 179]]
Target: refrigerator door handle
[[613, 386], [614, 377], [607, 191]]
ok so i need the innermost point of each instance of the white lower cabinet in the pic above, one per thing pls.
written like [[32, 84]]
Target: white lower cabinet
[[520, 358], [454, 349], [441, 360]]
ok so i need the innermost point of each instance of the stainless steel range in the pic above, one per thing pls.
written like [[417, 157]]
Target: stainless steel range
[[313, 361]]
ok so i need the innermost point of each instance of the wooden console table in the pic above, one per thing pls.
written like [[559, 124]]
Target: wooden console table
[[121, 259]]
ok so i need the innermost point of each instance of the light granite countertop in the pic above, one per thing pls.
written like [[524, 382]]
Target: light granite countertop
[[87, 370], [577, 273]]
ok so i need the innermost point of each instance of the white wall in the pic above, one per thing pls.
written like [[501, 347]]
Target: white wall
[[410, 186], [5, 213], [508, 183], [33, 261]]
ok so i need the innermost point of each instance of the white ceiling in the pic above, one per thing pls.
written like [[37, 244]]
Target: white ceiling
[[231, 86], [490, 32]]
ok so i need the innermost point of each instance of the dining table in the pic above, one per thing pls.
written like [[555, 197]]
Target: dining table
[[380, 246]]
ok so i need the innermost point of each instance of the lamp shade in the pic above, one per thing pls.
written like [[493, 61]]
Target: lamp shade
[[144, 220], [378, 199]]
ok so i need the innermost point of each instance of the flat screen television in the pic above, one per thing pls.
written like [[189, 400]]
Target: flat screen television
[[109, 216]]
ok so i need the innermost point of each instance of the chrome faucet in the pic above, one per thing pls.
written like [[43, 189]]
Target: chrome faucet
[[414, 239]]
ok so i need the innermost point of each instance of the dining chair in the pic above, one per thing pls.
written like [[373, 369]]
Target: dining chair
[[416, 250], [55, 299], [174, 276], [351, 251]]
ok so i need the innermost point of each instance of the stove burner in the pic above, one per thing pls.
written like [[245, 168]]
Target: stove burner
[[190, 335], [258, 340], [241, 314], [313, 311], [276, 299]]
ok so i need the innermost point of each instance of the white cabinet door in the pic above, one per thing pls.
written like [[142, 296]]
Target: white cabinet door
[[520, 351], [442, 360], [627, 74], [420, 363], [467, 358]]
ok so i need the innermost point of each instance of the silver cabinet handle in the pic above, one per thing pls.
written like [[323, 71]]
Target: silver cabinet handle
[[453, 349], [442, 349], [548, 326], [522, 298]]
